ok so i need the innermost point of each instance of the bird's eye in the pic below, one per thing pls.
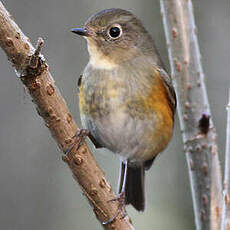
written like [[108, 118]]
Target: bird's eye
[[115, 31]]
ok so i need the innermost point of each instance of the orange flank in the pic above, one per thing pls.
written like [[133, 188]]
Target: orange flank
[[158, 102]]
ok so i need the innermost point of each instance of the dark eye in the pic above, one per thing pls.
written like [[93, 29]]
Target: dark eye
[[115, 31]]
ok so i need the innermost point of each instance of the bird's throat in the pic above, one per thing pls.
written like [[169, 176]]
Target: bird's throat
[[97, 59]]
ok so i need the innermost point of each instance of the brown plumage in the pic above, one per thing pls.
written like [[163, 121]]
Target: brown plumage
[[126, 99]]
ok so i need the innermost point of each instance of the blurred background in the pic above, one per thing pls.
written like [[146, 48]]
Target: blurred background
[[37, 190]]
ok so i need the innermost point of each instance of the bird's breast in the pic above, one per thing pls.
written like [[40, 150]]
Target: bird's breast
[[128, 116], [98, 98]]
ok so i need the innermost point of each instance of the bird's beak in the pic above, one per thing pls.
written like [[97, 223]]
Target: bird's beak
[[81, 31]]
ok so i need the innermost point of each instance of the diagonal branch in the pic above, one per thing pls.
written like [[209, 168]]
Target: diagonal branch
[[34, 73], [199, 135], [225, 224]]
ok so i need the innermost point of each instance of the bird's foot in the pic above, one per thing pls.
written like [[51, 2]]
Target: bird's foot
[[79, 137], [120, 210]]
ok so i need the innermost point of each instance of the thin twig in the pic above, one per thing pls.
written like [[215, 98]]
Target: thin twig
[[34, 73], [225, 224], [196, 124], [35, 57]]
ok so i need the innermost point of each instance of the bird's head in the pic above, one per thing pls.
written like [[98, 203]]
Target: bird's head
[[115, 36]]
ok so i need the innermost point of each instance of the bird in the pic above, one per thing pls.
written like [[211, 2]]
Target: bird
[[126, 98]]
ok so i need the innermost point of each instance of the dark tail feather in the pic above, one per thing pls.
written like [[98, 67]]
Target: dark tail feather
[[134, 186]]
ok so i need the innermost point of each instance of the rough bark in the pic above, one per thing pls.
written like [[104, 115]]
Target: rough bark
[[33, 70], [199, 135], [225, 224]]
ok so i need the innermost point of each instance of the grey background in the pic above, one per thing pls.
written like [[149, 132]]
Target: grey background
[[37, 190]]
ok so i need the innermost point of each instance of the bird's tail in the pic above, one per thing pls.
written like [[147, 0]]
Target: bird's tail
[[134, 185]]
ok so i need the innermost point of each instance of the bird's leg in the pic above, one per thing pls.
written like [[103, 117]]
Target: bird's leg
[[79, 137], [121, 201]]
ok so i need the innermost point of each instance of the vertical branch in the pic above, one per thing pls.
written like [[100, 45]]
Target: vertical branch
[[225, 224], [199, 135]]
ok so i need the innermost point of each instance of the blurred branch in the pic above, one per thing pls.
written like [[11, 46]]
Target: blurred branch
[[34, 73], [199, 135], [225, 225]]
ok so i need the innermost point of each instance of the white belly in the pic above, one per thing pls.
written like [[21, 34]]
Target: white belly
[[123, 135]]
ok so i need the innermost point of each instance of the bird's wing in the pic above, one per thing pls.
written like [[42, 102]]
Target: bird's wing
[[94, 141], [79, 81], [167, 81], [97, 145]]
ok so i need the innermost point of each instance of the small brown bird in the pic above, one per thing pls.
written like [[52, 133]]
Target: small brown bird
[[126, 98]]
